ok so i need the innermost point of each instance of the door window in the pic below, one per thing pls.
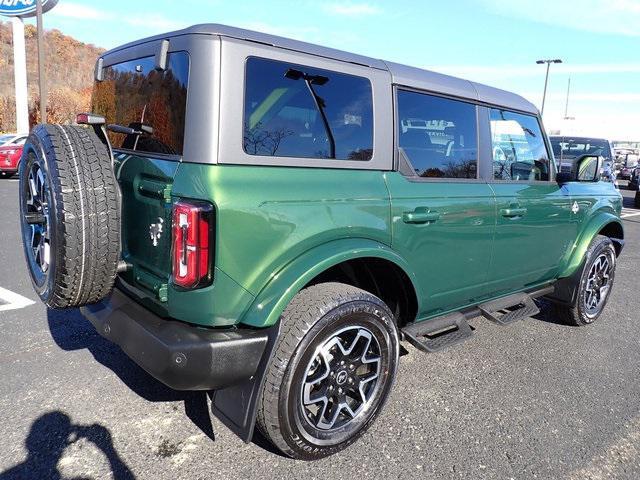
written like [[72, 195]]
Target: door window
[[298, 111], [519, 150], [438, 135]]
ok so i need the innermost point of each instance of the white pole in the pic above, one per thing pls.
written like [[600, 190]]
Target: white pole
[[20, 76]]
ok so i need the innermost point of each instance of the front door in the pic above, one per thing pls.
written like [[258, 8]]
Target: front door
[[533, 226], [443, 216]]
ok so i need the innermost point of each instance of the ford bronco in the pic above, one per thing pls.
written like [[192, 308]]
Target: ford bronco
[[267, 220]]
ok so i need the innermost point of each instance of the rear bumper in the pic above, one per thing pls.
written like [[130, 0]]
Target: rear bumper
[[180, 355]]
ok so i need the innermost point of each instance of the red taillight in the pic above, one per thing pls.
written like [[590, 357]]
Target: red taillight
[[192, 252]]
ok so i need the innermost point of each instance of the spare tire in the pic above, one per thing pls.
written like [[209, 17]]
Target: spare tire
[[69, 215]]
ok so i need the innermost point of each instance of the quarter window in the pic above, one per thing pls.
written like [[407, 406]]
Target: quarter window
[[438, 135], [294, 110], [519, 150]]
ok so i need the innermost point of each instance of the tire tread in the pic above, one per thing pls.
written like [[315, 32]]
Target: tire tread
[[87, 204], [302, 313]]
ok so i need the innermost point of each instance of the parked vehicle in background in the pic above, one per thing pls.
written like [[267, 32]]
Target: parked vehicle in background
[[628, 160], [567, 150], [10, 152], [634, 184], [621, 153], [7, 139], [10, 159], [625, 172], [268, 219]]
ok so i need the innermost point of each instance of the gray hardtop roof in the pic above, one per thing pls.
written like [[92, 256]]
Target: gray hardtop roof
[[400, 74]]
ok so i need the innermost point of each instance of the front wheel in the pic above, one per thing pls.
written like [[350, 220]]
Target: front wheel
[[637, 200], [331, 373], [595, 284]]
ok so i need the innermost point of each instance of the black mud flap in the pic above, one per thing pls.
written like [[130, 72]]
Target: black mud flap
[[237, 406]]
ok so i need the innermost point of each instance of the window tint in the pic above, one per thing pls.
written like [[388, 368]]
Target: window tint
[[438, 135], [298, 111], [519, 151], [134, 94]]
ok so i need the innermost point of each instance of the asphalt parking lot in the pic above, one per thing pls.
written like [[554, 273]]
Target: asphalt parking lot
[[533, 400]]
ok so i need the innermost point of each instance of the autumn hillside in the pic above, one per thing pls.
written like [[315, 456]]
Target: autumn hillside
[[69, 73]]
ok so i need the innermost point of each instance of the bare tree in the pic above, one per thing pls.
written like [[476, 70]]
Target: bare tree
[[259, 141]]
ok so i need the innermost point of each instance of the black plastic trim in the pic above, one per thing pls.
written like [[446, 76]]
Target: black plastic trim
[[236, 406], [182, 356]]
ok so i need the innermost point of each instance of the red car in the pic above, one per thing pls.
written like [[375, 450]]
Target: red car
[[10, 152]]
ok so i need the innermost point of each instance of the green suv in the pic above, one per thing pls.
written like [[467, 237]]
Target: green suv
[[268, 220]]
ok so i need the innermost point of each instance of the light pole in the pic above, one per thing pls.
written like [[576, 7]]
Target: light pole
[[566, 105], [41, 79], [546, 78]]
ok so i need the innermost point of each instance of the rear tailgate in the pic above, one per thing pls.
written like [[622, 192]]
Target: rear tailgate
[[146, 220], [145, 107]]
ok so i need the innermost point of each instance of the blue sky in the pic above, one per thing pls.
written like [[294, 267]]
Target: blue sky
[[491, 41]]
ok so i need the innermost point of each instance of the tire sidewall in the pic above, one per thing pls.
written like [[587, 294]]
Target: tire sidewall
[[35, 151], [376, 318], [601, 245]]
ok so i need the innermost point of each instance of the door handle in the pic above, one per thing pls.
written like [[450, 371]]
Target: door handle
[[513, 212], [420, 216]]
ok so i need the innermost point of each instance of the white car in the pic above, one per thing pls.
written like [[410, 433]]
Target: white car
[[8, 139]]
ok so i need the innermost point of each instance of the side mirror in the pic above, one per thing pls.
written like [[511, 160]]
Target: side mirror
[[588, 168]]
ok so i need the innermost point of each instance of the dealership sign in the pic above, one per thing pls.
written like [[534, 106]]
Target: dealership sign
[[24, 8]]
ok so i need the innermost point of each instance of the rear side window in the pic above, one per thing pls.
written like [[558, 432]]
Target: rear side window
[[294, 110], [519, 150], [134, 94], [438, 135]]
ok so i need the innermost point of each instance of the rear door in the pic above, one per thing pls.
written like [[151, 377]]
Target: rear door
[[533, 229], [148, 107], [442, 215]]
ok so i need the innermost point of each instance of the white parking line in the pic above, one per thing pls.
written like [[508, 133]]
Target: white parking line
[[13, 301], [627, 215]]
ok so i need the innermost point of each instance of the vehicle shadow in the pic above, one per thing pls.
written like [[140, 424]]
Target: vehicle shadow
[[71, 331], [48, 437], [547, 313]]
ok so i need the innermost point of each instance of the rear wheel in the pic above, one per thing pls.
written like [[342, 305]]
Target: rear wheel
[[332, 370], [69, 215], [637, 200], [595, 284]]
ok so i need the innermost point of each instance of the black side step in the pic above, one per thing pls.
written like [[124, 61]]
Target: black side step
[[509, 309], [437, 333]]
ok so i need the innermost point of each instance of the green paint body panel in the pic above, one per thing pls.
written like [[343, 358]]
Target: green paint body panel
[[279, 227], [451, 255], [145, 184], [284, 285], [600, 204], [527, 249]]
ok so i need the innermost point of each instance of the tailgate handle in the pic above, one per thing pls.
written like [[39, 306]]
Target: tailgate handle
[[420, 215], [148, 187], [513, 212]]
